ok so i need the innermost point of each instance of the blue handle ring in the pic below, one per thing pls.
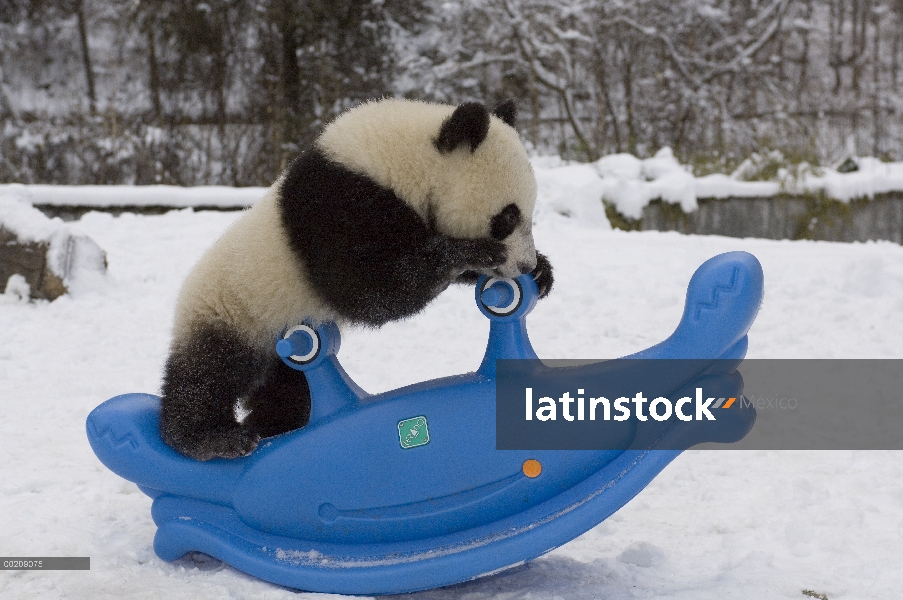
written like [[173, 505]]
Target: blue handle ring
[[305, 346], [521, 297], [299, 344]]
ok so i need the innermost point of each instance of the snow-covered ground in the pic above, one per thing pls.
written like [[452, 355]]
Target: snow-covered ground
[[713, 525]]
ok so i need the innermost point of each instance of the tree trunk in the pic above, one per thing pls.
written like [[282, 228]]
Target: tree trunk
[[154, 73], [86, 56]]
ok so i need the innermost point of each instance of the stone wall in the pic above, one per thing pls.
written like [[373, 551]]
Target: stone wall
[[75, 212], [812, 216]]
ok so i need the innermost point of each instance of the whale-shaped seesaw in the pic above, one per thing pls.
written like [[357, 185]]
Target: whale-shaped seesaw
[[405, 490]]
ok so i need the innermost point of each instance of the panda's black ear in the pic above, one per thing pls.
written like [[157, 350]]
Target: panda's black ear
[[468, 124], [507, 112]]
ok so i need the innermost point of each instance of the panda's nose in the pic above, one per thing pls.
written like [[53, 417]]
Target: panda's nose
[[524, 268]]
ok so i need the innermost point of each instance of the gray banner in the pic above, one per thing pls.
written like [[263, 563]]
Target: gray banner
[[760, 404], [823, 404], [45, 563]]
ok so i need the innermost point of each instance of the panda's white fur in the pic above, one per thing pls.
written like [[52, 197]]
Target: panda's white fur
[[391, 141], [281, 262], [251, 279]]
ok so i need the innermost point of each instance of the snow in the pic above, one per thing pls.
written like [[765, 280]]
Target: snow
[[17, 290], [873, 177], [630, 183], [127, 195], [713, 525], [19, 216]]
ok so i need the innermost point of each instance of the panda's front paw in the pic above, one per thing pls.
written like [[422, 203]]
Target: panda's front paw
[[542, 275], [468, 277]]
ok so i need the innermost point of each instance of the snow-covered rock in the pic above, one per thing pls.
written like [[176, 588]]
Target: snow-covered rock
[[42, 258]]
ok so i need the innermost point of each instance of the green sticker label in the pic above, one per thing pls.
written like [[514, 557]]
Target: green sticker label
[[413, 432]]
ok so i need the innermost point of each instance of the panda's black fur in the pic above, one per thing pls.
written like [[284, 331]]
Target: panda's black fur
[[369, 258], [385, 266]]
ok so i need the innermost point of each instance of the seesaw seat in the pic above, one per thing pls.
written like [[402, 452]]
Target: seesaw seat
[[343, 505]]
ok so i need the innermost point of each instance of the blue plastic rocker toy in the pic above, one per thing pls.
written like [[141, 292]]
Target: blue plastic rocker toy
[[405, 490]]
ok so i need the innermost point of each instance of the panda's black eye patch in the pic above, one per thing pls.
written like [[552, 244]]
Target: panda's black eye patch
[[505, 222]]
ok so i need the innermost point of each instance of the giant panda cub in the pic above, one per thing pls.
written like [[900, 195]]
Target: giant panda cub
[[393, 202]]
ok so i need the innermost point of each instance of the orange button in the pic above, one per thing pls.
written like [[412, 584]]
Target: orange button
[[532, 468]]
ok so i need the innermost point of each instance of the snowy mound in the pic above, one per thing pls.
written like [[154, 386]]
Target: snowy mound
[[41, 257], [870, 177], [630, 183]]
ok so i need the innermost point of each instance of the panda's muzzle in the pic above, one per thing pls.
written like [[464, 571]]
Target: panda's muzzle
[[521, 254], [513, 269]]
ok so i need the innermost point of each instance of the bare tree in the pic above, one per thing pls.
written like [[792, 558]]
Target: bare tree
[[188, 92]]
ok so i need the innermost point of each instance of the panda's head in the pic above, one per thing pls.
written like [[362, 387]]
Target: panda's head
[[463, 169]]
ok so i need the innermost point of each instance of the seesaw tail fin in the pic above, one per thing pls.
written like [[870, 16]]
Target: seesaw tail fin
[[723, 298], [124, 434]]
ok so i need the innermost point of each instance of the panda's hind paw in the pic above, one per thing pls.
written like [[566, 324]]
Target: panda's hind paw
[[239, 442], [231, 442]]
